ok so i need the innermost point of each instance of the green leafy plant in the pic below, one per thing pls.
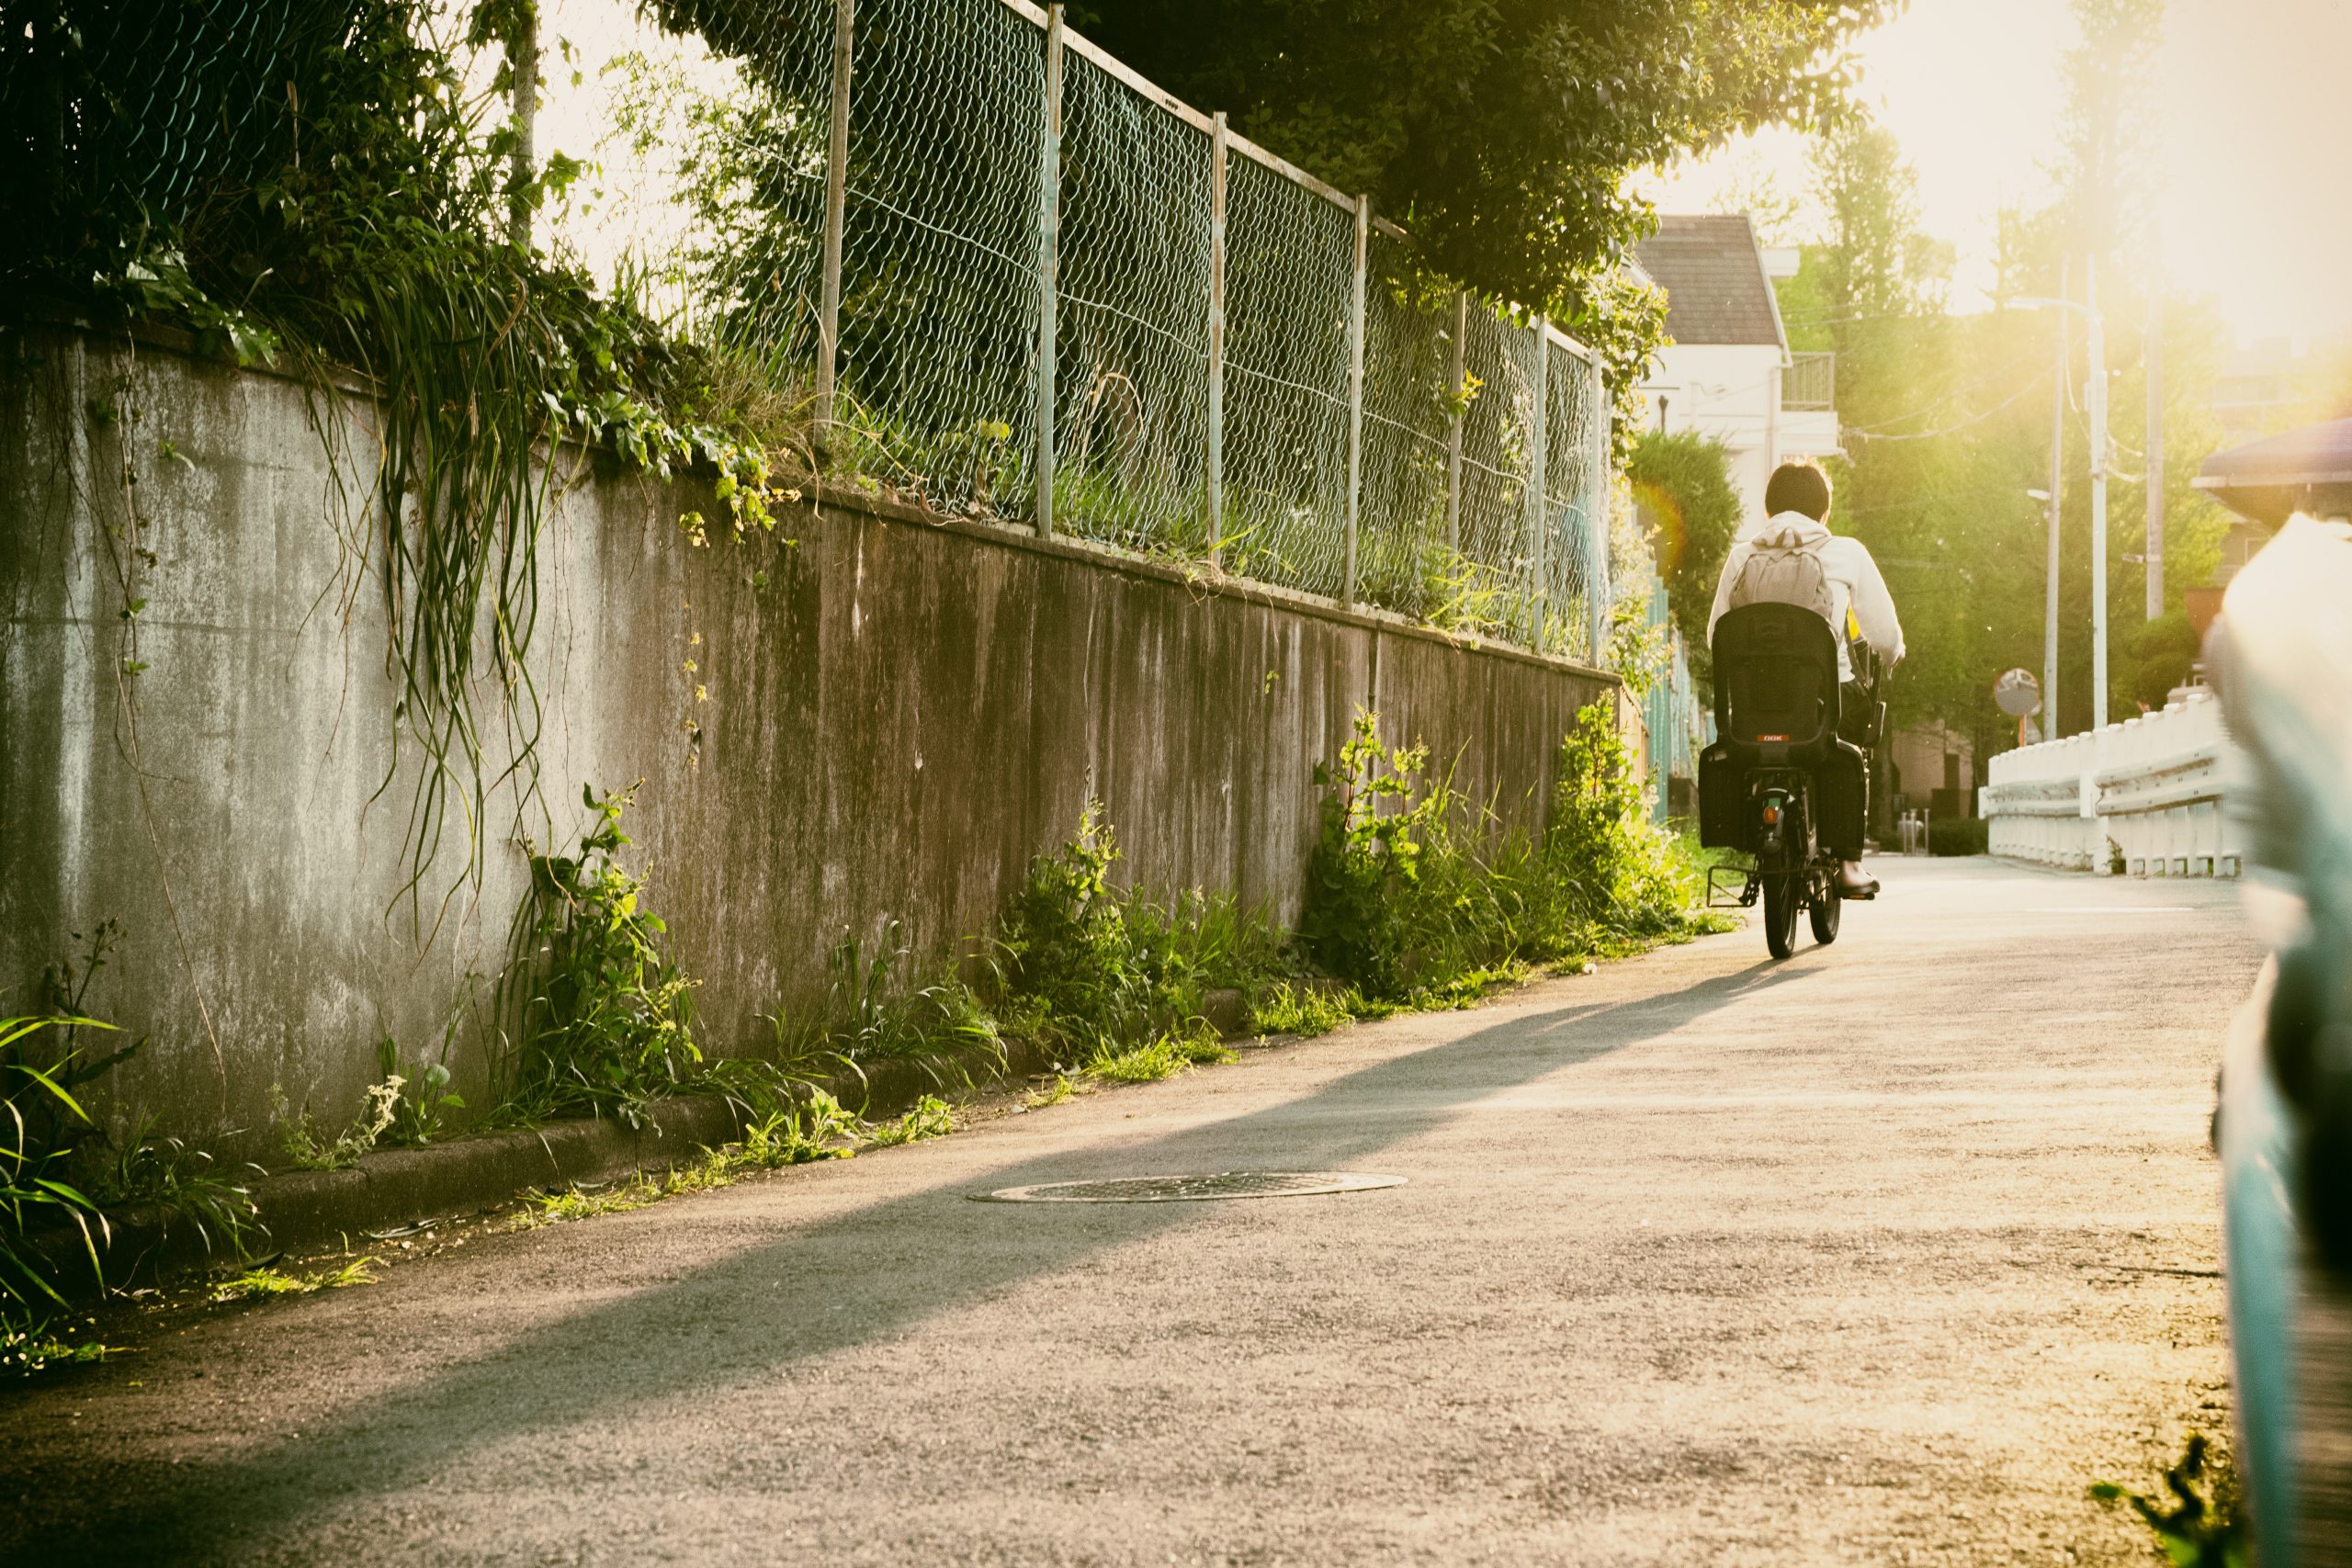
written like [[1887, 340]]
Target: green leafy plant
[[603, 1019], [1683, 483], [307, 1146], [252, 1283], [421, 1112], [1064, 951], [1195, 943], [1364, 876], [1298, 1008], [44, 1128], [178, 1180], [33, 1344], [2199, 1525], [818, 1128], [874, 1011], [43, 1124], [537, 1208], [1162, 1057], [1960, 836], [1628, 879], [1064, 1087], [1415, 898], [931, 1117]]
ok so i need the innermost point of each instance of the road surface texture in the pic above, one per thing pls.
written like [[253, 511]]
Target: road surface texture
[[1881, 1254]]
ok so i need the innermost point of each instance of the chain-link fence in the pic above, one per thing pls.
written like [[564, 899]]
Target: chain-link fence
[[1007, 275], [1067, 298]]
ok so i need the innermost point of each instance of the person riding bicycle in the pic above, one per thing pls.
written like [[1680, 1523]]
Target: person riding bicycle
[[1791, 558]]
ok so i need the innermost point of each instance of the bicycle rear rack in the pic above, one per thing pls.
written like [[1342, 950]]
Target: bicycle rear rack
[[1720, 896]]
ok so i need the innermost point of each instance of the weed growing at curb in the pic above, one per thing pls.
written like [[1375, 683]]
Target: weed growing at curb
[[421, 1112], [307, 1148], [872, 1013], [604, 1018], [1417, 898], [818, 1128], [1162, 1057], [270, 1281], [2201, 1525], [1063, 1087], [1301, 1010], [34, 1345], [931, 1118]]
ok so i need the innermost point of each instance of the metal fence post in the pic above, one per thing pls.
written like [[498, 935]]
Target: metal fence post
[[1596, 587], [1454, 425], [523, 64], [1356, 396], [1661, 713], [1217, 344], [829, 308], [1539, 479], [1049, 212]]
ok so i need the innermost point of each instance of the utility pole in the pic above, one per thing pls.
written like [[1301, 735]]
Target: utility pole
[[2057, 489], [2155, 463], [2098, 495]]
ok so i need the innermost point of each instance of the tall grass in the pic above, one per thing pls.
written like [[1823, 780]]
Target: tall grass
[[1412, 889]]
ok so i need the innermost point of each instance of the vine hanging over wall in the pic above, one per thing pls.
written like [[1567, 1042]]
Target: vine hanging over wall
[[358, 219]]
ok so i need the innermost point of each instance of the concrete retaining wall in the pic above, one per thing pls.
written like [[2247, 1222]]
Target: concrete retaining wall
[[906, 712]]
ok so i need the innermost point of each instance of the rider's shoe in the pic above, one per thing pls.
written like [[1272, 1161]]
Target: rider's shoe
[[1853, 883]]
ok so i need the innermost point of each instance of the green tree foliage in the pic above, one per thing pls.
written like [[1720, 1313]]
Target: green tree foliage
[[1500, 131], [1872, 291], [1683, 482], [2162, 650], [1945, 420], [2109, 129]]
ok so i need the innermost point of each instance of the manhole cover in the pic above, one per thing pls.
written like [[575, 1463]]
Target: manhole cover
[[1192, 1189]]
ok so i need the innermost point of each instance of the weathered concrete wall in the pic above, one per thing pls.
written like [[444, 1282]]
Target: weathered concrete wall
[[895, 722]]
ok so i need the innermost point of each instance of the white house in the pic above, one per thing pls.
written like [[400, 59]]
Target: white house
[[1728, 372]]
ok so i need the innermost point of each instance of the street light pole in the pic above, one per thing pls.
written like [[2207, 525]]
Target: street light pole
[[2155, 463], [2098, 495], [2057, 486]]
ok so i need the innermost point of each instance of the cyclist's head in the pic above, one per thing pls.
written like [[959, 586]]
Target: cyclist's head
[[1798, 487]]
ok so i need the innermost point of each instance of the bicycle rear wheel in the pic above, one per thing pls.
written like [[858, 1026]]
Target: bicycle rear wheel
[[1780, 911]]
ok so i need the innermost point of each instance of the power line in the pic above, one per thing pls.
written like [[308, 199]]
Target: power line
[[1951, 429], [1941, 400]]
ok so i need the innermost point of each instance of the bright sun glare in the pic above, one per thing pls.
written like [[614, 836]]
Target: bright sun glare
[[2252, 120]]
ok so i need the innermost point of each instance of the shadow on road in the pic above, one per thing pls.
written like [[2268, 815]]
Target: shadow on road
[[740, 1320]]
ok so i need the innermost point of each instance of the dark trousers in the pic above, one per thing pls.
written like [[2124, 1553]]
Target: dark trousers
[[1857, 711]]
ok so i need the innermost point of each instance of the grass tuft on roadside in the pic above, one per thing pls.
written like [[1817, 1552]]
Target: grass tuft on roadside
[[253, 1283], [2199, 1523]]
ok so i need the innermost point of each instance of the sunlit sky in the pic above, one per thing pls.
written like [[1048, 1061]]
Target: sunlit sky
[[2254, 204]]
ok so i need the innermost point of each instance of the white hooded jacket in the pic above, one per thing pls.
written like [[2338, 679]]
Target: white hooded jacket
[[1863, 602]]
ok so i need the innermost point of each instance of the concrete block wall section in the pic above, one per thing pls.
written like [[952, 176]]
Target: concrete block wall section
[[903, 714]]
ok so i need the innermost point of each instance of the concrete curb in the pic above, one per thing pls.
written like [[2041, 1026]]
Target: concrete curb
[[310, 1211]]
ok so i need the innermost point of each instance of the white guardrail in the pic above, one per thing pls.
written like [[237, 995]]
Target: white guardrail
[[2147, 797]]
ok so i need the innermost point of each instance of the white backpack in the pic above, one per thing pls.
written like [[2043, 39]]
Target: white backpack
[[1786, 574]]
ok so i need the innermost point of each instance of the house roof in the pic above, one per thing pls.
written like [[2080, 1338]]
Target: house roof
[[2270, 479], [1714, 279]]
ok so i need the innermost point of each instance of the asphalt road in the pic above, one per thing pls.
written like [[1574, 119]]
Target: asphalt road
[[1881, 1254]]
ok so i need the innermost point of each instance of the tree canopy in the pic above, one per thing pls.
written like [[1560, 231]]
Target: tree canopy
[[1683, 483], [1945, 421], [1499, 131]]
